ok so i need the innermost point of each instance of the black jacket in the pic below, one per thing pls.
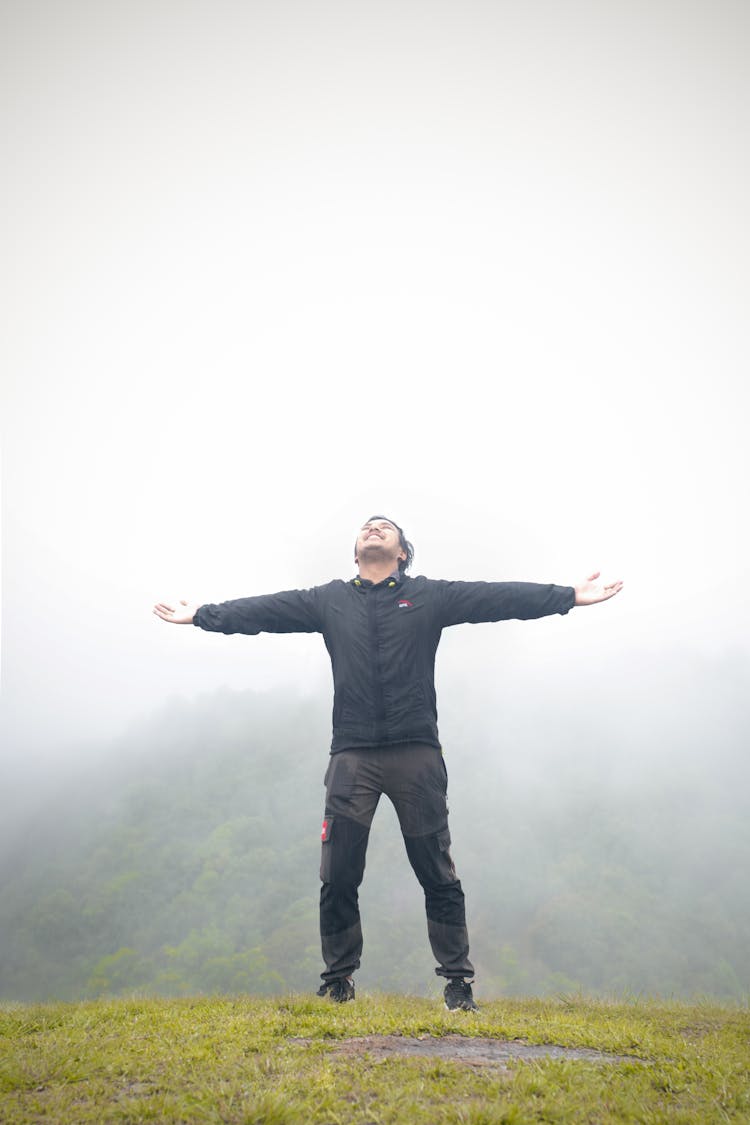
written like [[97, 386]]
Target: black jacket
[[382, 641]]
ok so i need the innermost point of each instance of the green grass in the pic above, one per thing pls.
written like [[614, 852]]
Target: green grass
[[236, 1061]]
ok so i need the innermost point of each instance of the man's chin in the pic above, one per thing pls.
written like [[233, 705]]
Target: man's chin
[[372, 551]]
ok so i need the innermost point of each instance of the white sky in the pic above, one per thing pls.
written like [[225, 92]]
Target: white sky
[[271, 267]]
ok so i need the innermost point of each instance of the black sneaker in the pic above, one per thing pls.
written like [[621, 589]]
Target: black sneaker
[[337, 990], [458, 995]]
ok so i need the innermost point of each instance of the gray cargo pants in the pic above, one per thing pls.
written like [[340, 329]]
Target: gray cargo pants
[[413, 776]]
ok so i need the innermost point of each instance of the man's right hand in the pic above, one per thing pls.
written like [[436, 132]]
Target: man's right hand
[[178, 615]]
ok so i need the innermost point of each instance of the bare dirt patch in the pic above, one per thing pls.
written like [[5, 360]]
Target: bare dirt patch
[[463, 1049]]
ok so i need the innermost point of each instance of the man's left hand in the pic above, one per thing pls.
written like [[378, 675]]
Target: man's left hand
[[590, 591]]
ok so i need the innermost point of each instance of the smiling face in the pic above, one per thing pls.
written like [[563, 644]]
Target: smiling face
[[379, 541]]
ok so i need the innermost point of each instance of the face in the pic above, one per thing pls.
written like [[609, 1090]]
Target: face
[[379, 539]]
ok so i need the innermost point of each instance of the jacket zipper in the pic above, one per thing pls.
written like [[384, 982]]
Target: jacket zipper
[[371, 595]]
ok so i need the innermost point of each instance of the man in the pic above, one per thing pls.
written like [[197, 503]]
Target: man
[[382, 631]]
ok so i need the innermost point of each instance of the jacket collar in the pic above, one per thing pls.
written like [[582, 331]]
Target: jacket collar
[[393, 579]]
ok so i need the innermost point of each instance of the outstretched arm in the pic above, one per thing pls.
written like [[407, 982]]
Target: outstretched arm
[[290, 611], [180, 615], [589, 591]]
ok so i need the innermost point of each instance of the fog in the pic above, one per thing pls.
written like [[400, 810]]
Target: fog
[[273, 267]]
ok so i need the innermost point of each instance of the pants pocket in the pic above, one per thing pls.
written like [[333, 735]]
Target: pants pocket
[[326, 849], [430, 858]]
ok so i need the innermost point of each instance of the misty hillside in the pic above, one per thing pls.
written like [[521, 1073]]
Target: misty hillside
[[187, 861]]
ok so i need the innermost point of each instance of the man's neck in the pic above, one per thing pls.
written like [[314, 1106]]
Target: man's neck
[[372, 572]]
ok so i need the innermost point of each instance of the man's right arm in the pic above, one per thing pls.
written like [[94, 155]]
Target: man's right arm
[[291, 611]]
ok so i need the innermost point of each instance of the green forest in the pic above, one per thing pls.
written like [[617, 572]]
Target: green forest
[[185, 860]]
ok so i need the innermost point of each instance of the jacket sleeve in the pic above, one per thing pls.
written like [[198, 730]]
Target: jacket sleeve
[[291, 611], [472, 602]]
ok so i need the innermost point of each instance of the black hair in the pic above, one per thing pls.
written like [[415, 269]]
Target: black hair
[[406, 546]]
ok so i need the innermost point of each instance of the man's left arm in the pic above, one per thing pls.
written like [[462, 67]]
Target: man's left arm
[[474, 602]]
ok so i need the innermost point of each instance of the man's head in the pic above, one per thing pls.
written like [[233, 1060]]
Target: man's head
[[381, 538]]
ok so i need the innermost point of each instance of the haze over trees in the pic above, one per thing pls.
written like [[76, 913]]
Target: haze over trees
[[186, 859]]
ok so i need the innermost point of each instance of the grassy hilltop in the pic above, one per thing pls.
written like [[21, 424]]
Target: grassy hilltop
[[284, 1061]]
